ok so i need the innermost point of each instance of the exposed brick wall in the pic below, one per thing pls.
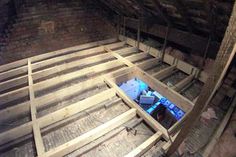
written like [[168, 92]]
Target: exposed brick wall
[[45, 27]]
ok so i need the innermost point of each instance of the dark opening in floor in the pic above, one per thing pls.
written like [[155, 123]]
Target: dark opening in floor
[[156, 105]]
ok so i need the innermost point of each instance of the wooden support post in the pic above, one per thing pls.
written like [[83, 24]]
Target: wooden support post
[[36, 129], [223, 60], [138, 33], [165, 43]]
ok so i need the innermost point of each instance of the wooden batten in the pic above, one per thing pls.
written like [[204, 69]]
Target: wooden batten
[[181, 65], [172, 95], [91, 135], [141, 149], [183, 83], [56, 116], [147, 118], [97, 58], [164, 73], [24, 62]]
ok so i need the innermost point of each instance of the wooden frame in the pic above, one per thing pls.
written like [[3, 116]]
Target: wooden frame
[[106, 58]]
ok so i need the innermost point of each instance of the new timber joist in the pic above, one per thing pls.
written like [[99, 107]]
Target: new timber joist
[[46, 82]]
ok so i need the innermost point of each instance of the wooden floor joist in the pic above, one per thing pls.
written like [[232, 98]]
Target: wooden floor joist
[[73, 71], [33, 108], [183, 83], [91, 135], [164, 73], [56, 116], [24, 62], [140, 150]]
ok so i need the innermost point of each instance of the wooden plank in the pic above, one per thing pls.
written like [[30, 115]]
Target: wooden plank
[[57, 59], [86, 71], [13, 65], [91, 135], [83, 53], [70, 65], [195, 99], [13, 95], [144, 147], [106, 137], [72, 49], [146, 117], [14, 111], [56, 116], [123, 77], [23, 108], [75, 108], [119, 57], [116, 45], [53, 81], [148, 64], [36, 130], [163, 89], [46, 62], [126, 51], [105, 104], [21, 80], [164, 72], [23, 62], [13, 72], [177, 87], [137, 57], [6, 85]]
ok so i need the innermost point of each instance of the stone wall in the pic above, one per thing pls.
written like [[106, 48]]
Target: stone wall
[[42, 27]]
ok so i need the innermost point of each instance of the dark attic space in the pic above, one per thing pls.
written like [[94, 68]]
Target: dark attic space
[[117, 78]]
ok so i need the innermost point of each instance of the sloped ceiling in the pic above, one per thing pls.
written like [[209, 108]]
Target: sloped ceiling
[[207, 18]]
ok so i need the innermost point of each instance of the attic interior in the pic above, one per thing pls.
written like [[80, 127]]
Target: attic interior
[[112, 78]]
